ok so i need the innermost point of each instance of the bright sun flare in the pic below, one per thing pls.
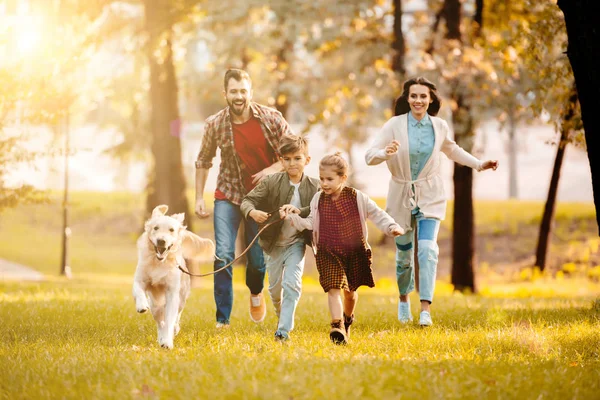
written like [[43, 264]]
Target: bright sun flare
[[27, 34]]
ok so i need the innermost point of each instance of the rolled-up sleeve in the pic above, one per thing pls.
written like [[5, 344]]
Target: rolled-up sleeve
[[208, 148]]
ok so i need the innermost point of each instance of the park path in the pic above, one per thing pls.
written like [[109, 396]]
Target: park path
[[10, 271]]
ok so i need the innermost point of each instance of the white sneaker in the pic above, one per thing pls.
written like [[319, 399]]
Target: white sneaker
[[425, 319], [222, 325], [404, 315]]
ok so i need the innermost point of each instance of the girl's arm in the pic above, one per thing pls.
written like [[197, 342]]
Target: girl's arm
[[305, 223], [383, 220], [377, 154]]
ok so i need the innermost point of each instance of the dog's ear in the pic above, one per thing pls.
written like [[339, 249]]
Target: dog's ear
[[179, 217], [160, 210]]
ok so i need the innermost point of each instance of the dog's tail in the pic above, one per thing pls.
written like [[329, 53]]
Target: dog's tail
[[196, 248]]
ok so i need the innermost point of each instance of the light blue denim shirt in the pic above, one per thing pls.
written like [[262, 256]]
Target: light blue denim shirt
[[421, 140]]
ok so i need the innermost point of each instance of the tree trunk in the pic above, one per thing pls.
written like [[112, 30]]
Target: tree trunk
[[398, 44], [584, 46], [478, 17], [568, 114], [166, 181], [546, 224], [282, 97], [513, 192], [463, 231], [398, 53], [453, 15]]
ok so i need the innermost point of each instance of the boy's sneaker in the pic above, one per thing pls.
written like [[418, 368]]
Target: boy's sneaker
[[258, 308], [404, 315], [222, 325], [337, 334], [425, 319], [281, 337], [348, 320]]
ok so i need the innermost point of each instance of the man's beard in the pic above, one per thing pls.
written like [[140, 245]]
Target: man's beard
[[235, 108]]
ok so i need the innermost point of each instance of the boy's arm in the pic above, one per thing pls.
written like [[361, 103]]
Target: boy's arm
[[256, 195]]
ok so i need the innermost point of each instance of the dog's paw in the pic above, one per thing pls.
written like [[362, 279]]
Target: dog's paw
[[165, 343]]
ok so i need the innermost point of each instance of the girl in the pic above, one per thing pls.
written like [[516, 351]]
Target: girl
[[411, 143], [338, 215]]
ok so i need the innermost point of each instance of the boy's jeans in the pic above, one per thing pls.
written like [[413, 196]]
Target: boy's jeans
[[227, 217], [428, 229], [285, 266]]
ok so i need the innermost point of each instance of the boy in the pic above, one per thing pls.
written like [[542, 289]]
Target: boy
[[275, 196]]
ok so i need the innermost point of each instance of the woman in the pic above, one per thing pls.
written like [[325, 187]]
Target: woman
[[410, 143]]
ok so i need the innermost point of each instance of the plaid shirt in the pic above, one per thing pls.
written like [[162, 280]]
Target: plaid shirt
[[219, 132]]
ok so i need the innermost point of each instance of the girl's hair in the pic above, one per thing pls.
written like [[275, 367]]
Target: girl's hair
[[289, 144], [339, 164], [402, 107]]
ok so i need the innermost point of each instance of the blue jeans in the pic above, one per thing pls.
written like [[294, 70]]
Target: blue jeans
[[285, 266], [227, 218], [428, 229]]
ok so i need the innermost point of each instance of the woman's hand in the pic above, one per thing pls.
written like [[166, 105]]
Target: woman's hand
[[493, 164], [392, 147]]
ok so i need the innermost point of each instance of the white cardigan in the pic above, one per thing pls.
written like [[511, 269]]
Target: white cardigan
[[428, 193], [367, 208]]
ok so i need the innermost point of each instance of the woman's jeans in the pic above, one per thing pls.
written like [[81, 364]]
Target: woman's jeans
[[227, 218], [427, 231]]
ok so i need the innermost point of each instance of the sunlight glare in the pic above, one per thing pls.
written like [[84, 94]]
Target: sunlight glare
[[28, 34]]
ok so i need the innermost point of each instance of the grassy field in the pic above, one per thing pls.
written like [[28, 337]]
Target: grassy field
[[525, 335], [83, 339]]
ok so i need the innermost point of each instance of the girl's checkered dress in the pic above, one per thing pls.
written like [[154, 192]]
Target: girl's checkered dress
[[343, 260]]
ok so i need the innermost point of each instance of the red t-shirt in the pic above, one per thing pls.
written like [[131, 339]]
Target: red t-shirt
[[253, 150]]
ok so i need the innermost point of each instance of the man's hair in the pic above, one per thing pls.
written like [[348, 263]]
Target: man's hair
[[237, 74], [289, 144]]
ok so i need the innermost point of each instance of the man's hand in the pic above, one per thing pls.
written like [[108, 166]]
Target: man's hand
[[200, 209], [287, 209], [258, 216], [392, 147], [260, 175], [493, 164]]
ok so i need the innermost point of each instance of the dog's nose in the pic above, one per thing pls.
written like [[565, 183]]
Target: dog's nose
[[160, 242]]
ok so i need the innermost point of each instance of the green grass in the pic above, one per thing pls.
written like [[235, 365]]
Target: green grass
[[83, 339], [525, 335]]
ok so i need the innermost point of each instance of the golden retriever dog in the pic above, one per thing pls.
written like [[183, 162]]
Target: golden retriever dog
[[159, 285]]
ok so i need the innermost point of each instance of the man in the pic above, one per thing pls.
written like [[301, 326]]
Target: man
[[248, 135]]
